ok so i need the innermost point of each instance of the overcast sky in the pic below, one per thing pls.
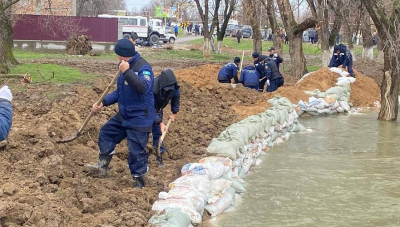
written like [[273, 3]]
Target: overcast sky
[[136, 3]]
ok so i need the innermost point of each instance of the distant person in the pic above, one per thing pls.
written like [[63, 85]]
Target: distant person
[[238, 36], [229, 71], [275, 57], [249, 77], [6, 112], [374, 39], [196, 30], [311, 35], [176, 29], [342, 57]]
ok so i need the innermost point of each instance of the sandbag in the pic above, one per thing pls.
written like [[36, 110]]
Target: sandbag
[[200, 183], [222, 204], [171, 218], [238, 186], [196, 198], [213, 169], [345, 106], [179, 203], [218, 187], [223, 148]]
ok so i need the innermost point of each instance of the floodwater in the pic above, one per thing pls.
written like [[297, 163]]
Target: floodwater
[[345, 173]]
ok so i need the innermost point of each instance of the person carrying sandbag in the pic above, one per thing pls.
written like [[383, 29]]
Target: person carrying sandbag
[[342, 57]]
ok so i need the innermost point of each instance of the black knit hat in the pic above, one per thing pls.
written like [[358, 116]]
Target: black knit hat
[[124, 48], [255, 55], [236, 60]]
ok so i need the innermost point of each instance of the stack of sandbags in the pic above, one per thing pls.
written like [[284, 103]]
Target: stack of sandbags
[[332, 101], [212, 182]]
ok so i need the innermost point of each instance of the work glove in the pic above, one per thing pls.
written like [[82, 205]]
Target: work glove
[[5, 93], [268, 82], [275, 55]]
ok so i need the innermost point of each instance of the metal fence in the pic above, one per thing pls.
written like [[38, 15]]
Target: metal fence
[[60, 28]]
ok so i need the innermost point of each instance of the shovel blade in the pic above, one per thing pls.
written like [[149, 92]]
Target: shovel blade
[[69, 138]]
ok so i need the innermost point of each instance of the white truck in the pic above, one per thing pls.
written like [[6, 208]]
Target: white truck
[[151, 30]]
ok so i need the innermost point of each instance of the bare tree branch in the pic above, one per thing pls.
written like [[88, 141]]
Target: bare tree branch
[[6, 6]]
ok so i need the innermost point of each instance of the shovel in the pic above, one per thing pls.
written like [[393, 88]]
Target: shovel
[[73, 136], [161, 140]]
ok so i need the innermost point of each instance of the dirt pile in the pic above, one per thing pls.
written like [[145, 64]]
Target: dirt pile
[[43, 183], [364, 92], [79, 45]]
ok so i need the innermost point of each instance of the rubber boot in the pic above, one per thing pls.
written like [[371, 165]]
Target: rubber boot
[[160, 162], [101, 167], [139, 182]]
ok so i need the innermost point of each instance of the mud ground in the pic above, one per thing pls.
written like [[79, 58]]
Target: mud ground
[[43, 183]]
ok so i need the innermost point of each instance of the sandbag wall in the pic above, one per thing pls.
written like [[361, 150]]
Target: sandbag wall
[[212, 182], [332, 101]]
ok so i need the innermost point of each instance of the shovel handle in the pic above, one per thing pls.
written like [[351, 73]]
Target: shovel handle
[[164, 134], [106, 91], [241, 63]]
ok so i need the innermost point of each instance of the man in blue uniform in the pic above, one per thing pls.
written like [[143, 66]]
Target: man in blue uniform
[[342, 57], [274, 78], [6, 112], [229, 71], [259, 62], [166, 89], [135, 98], [249, 77], [275, 57]]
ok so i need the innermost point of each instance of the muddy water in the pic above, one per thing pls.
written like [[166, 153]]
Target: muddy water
[[345, 173]]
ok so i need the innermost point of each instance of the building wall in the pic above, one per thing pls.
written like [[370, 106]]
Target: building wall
[[46, 7]]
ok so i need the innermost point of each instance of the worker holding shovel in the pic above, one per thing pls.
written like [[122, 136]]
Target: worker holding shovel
[[134, 120], [166, 89]]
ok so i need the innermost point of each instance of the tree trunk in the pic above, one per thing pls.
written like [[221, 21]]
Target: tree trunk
[[257, 43], [323, 13], [207, 48], [298, 61], [388, 25], [219, 47], [389, 91], [6, 41], [277, 42], [251, 12], [350, 45], [294, 32], [368, 46]]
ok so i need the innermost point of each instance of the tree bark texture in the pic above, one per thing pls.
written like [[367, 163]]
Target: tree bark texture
[[6, 39], [276, 31], [250, 7], [368, 46], [389, 27], [294, 32]]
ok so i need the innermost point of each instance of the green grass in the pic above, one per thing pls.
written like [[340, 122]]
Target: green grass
[[28, 55], [188, 54], [62, 74], [247, 44]]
